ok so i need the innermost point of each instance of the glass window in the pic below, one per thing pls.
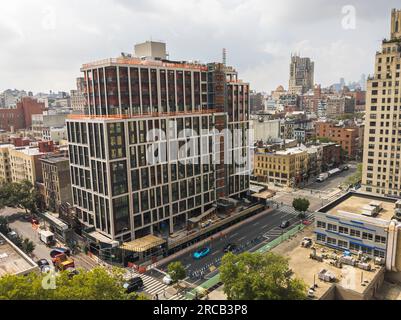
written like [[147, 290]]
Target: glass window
[[116, 140], [121, 214], [332, 227], [119, 177]]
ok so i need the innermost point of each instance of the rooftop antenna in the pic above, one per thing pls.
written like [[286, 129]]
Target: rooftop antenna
[[224, 56]]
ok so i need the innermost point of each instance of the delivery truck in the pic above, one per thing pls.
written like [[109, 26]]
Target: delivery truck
[[322, 177], [47, 237]]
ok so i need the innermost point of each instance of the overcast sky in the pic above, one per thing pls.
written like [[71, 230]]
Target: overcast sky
[[44, 43]]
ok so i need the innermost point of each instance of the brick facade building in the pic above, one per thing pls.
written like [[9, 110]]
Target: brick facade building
[[347, 137], [20, 117]]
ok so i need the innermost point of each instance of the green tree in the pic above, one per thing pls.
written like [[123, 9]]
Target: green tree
[[96, 284], [324, 139], [257, 276], [176, 271], [27, 196], [301, 205], [19, 194], [355, 178], [4, 228], [27, 246]]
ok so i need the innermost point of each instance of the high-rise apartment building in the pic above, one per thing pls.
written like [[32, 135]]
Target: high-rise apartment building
[[382, 145], [301, 75], [78, 100], [150, 154]]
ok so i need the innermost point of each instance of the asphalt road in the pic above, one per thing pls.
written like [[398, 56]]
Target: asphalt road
[[333, 182], [266, 226]]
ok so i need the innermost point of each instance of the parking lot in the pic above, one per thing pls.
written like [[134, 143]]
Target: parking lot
[[24, 229]]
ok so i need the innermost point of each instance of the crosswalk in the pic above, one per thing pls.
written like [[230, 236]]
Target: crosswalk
[[277, 231], [154, 286]]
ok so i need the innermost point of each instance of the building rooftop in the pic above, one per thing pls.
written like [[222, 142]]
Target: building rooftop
[[290, 151], [8, 145], [145, 62], [29, 151], [13, 260], [349, 279], [353, 203], [55, 159]]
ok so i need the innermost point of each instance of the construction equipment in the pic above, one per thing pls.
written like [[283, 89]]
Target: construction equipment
[[62, 262]]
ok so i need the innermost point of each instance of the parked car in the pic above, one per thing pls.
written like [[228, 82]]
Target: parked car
[[199, 254], [44, 265], [285, 224], [46, 269], [57, 251], [230, 247], [133, 284], [42, 262], [167, 280]]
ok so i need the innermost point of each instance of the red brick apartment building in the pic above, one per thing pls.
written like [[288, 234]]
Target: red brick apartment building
[[20, 117], [347, 137]]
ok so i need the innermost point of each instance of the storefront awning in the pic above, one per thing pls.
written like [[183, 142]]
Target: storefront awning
[[143, 244]]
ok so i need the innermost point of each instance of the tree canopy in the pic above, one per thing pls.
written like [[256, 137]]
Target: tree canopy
[[355, 178], [257, 276], [301, 204], [176, 271], [96, 284], [18, 194]]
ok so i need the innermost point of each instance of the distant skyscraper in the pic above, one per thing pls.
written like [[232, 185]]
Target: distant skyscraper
[[301, 75], [362, 82], [382, 153]]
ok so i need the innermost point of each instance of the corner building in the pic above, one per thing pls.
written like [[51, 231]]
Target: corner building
[[145, 159]]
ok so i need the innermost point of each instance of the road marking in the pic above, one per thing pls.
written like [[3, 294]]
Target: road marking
[[233, 235], [214, 253], [239, 240]]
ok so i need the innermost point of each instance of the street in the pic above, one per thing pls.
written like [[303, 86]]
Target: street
[[318, 193], [251, 235]]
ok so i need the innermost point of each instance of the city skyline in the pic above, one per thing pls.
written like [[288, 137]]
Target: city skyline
[[47, 44]]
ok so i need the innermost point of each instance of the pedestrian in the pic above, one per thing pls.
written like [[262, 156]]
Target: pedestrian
[[156, 296]]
